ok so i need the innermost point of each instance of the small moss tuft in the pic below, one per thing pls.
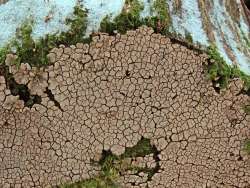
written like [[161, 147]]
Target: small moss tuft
[[128, 19], [247, 109], [247, 146], [188, 37], [162, 20], [142, 148], [3, 52], [219, 72]]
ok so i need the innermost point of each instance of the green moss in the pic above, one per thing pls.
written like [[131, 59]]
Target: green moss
[[97, 182], [142, 148], [247, 146], [188, 37], [3, 53], [129, 18], [112, 166], [35, 52], [78, 26], [247, 109], [162, 20], [219, 72]]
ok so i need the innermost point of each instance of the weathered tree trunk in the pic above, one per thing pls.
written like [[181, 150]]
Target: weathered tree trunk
[[224, 23]]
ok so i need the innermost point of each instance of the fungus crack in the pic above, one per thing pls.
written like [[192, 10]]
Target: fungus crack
[[23, 92], [20, 90], [52, 98]]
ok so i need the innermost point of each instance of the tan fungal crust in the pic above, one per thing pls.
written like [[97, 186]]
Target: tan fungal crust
[[112, 92]]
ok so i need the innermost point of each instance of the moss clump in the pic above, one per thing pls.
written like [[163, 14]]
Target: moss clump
[[129, 18], [78, 26], [161, 21], [3, 52], [219, 72], [112, 166], [35, 52], [107, 177], [188, 37], [142, 148], [247, 109], [247, 146]]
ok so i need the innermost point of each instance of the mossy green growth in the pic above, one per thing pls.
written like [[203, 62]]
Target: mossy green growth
[[247, 146], [128, 19], [107, 177], [3, 52], [188, 37], [218, 71], [161, 21], [142, 148], [112, 166], [97, 182], [35, 52], [78, 26], [247, 109]]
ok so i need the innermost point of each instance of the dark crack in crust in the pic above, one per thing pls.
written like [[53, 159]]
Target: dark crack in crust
[[109, 94]]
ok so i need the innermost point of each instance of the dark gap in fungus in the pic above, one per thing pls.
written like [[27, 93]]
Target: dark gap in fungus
[[240, 158], [157, 161], [52, 98], [23, 92], [174, 97], [216, 86], [20, 90], [127, 73]]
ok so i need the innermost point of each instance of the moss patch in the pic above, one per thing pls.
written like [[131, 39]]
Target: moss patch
[[129, 18], [112, 166], [142, 148], [220, 73], [35, 52], [188, 37], [162, 20], [247, 109], [247, 146]]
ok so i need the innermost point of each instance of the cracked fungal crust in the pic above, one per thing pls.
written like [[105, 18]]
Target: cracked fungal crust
[[109, 94]]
